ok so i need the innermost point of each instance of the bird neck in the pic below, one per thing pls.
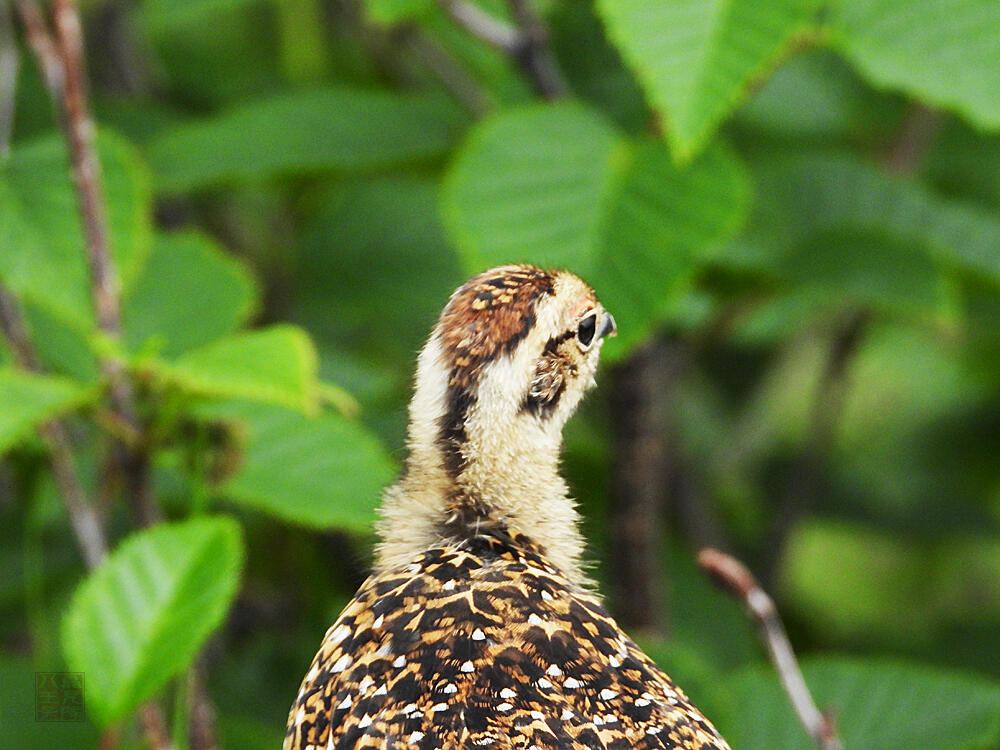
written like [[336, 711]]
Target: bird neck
[[500, 475]]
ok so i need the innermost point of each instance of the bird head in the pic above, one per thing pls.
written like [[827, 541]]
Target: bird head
[[512, 354]]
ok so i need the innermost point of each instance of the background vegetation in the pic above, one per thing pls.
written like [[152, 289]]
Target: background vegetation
[[792, 208]]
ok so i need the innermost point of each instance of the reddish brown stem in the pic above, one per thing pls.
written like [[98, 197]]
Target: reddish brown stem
[[733, 576], [86, 525], [80, 136], [61, 59], [43, 47]]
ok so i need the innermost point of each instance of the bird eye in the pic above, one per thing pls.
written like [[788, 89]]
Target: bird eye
[[585, 333]]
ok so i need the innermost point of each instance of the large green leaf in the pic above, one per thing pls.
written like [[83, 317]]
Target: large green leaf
[[42, 257], [943, 52], [696, 59], [27, 400], [189, 294], [878, 704], [141, 617], [533, 182], [663, 224], [305, 132], [275, 365], [558, 186], [324, 472]]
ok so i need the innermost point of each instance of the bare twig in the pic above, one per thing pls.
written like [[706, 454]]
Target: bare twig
[[533, 53], [482, 25], [526, 42], [448, 70], [80, 136], [86, 526], [202, 718], [154, 726], [9, 63], [731, 575], [43, 47], [85, 523], [61, 59]]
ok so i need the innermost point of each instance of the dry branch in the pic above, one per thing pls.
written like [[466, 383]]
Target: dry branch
[[86, 525], [61, 59], [733, 576], [525, 42]]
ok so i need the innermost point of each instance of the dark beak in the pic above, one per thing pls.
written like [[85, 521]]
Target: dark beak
[[608, 327]]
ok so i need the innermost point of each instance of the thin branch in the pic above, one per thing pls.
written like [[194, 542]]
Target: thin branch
[[525, 42], [80, 136], [202, 718], [533, 53], [154, 726], [448, 70], [731, 575], [9, 63], [86, 525], [482, 25], [43, 47], [61, 59]]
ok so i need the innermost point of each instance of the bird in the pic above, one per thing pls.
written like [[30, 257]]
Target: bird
[[479, 627]]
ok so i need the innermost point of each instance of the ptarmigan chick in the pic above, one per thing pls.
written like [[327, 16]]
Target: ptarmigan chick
[[478, 628]]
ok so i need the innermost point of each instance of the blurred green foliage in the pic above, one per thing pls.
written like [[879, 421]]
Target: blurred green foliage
[[800, 200]]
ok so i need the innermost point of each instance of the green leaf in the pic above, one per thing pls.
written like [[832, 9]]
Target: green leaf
[[305, 132], [276, 365], [878, 704], [323, 472], [558, 186], [533, 181], [29, 399], [141, 617], [190, 293], [62, 347], [43, 257], [663, 224], [943, 52], [696, 59]]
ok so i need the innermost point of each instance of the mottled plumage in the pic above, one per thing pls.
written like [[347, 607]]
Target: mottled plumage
[[477, 638]]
